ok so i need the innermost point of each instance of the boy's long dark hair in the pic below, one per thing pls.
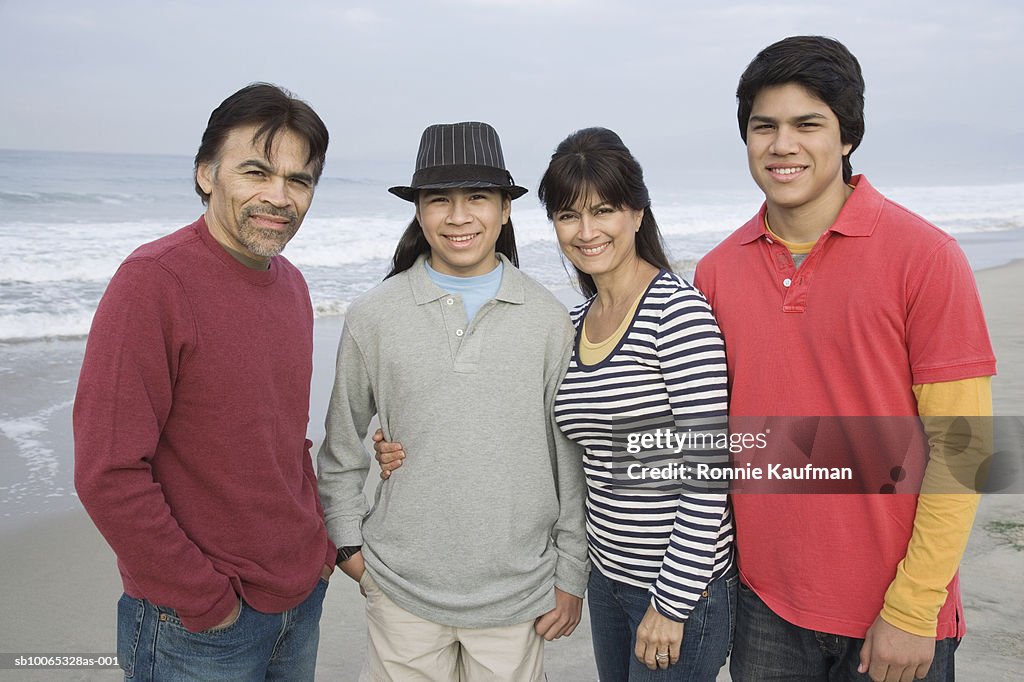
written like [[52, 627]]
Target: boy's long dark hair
[[594, 161], [412, 244]]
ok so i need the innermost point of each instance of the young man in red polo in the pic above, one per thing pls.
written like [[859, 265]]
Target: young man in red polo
[[836, 302]]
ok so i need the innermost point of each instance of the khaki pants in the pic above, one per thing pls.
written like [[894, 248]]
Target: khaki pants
[[402, 647]]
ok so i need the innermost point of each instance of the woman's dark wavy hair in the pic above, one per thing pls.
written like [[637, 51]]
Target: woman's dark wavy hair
[[595, 162], [271, 109], [412, 244], [825, 68]]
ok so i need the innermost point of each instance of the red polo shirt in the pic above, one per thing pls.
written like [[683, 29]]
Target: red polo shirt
[[884, 301]]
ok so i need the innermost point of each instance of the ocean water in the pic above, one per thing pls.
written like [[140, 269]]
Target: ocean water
[[67, 221]]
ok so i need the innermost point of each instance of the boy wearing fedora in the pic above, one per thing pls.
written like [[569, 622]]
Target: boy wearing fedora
[[480, 553]]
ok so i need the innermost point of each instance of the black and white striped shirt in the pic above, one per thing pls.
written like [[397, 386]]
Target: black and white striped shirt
[[667, 370]]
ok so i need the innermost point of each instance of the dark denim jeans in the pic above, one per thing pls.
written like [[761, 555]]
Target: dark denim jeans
[[616, 610], [769, 648], [153, 645]]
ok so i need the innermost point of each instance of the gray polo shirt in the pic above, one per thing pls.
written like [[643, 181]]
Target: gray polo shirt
[[485, 516]]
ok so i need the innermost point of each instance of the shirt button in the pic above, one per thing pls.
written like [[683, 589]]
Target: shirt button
[[459, 332], [786, 282], [768, 239], [450, 301]]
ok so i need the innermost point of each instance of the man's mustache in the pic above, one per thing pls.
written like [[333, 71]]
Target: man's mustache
[[250, 211]]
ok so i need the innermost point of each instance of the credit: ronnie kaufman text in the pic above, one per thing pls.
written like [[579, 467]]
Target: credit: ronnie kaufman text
[[708, 472]]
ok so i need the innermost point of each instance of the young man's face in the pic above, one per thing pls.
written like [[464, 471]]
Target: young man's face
[[257, 203], [462, 227], [794, 148]]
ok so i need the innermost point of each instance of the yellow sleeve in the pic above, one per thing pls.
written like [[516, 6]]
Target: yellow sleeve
[[944, 519]]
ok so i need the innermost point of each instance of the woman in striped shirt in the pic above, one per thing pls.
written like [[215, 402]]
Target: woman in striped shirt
[[647, 376]]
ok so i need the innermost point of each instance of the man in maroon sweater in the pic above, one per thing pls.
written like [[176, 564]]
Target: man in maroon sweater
[[190, 419]]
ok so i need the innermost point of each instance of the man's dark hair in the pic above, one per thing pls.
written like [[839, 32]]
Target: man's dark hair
[[594, 162], [825, 68], [271, 109]]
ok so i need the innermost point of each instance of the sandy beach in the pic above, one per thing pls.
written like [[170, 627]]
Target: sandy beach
[[60, 583]]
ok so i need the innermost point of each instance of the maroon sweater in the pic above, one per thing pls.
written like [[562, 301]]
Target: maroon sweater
[[190, 430]]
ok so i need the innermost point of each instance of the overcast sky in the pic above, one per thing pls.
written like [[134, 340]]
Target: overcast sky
[[944, 95]]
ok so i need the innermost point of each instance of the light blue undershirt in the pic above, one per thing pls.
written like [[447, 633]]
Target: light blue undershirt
[[475, 291]]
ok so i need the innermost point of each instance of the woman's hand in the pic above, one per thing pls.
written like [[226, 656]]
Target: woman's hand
[[658, 640]]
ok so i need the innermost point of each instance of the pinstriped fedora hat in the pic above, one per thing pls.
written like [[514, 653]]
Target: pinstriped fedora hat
[[454, 155]]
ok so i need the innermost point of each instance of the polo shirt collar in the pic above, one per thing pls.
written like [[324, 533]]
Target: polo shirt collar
[[424, 290], [857, 218], [511, 289]]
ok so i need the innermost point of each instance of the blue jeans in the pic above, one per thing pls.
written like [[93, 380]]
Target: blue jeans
[[769, 648], [153, 645], [616, 610]]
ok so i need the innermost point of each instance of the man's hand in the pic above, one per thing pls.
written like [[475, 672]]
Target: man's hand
[[230, 620], [325, 573], [656, 635], [890, 654], [388, 455], [561, 620]]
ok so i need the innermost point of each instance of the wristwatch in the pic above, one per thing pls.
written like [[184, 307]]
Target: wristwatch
[[346, 553]]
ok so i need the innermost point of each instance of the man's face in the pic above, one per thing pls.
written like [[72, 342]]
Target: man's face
[[257, 203], [794, 148], [462, 228]]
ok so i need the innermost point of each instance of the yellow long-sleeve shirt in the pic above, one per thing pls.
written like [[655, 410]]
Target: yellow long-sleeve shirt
[[943, 520]]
